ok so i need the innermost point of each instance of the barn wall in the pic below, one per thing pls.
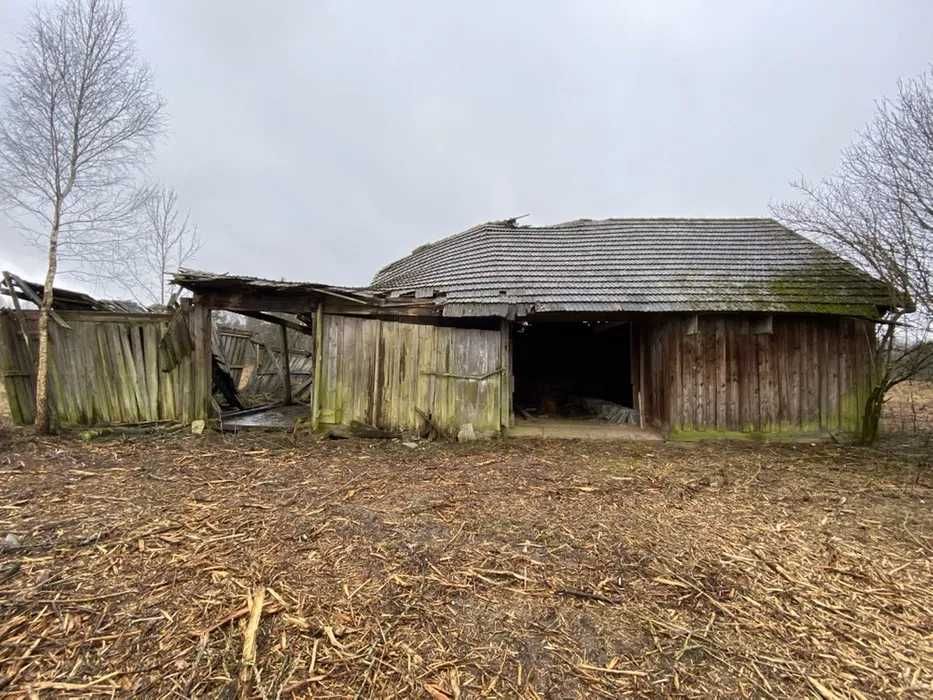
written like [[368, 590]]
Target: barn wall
[[808, 375], [379, 372], [106, 369]]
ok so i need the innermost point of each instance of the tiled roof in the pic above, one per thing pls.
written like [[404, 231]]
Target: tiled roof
[[650, 265]]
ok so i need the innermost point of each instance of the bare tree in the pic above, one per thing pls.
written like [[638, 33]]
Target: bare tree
[[79, 117], [877, 212], [166, 242]]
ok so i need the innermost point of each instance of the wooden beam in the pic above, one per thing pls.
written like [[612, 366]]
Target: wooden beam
[[31, 315], [20, 316], [114, 316], [598, 330], [505, 381], [286, 367], [387, 312], [202, 374], [240, 302], [641, 373], [284, 323], [33, 297], [12, 292]]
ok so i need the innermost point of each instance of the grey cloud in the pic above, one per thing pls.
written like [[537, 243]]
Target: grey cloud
[[320, 140]]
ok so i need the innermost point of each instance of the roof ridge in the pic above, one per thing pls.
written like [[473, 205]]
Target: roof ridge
[[680, 218], [643, 219]]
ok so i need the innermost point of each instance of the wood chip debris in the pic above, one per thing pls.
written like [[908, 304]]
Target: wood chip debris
[[256, 565]]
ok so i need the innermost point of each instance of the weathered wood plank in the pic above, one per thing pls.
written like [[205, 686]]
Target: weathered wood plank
[[136, 394], [333, 326], [286, 366], [766, 399], [318, 359], [734, 412], [711, 371], [721, 376], [378, 372], [807, 374]]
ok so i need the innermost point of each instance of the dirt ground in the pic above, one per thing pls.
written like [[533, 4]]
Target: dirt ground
[[510, 568]]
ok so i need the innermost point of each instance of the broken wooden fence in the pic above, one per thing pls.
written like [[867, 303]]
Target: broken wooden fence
[[256, 367], [105, 368]]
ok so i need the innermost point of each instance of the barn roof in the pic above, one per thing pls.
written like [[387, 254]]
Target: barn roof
[[639, 265]]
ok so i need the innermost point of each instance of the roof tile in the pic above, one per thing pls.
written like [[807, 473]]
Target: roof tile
[[635, 265]]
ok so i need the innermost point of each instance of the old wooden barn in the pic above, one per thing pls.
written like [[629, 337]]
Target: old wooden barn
[[698, 326], [687, 327]]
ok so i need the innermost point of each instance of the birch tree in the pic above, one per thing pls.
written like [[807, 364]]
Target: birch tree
[[79, 118], [877, 212]]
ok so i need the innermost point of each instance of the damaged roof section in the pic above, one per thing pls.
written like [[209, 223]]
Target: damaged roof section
[[204, 282], [64, 299], [633, 265], [229, 291]]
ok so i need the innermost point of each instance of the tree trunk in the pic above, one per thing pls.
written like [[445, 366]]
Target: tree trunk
[[871, 416], [43, 422]]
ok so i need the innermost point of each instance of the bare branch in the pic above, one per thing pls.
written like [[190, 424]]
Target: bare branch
[[166, 241], [877, 212]]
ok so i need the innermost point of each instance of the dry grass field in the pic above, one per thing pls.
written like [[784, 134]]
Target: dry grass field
[[910, 408], [506, 569]]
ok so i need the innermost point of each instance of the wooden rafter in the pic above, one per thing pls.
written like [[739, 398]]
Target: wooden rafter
[[270, 318]]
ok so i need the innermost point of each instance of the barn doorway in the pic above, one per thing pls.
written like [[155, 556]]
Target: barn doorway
[[574, 375]]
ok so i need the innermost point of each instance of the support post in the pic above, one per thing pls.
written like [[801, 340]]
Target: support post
[[637, 351], [202, 372], [317, 358], [286, 367], [506, 418]]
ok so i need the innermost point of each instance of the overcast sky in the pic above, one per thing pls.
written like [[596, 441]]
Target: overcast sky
[[321, 140]]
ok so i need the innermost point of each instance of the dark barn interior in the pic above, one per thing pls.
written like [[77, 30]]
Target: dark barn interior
[[557, 365]]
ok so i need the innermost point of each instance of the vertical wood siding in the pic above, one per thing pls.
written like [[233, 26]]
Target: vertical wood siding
[[378, 372], [105, 370], [810, 374]]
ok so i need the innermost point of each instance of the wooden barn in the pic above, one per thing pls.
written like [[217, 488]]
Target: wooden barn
[[689, 327]]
